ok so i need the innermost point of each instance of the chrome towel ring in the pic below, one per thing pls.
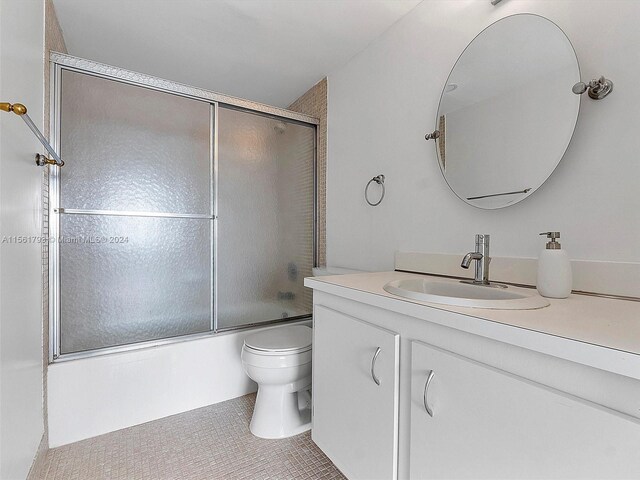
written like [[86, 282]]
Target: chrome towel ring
[[379, 179]]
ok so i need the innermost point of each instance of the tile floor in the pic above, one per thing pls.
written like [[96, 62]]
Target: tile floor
[[213, 442]]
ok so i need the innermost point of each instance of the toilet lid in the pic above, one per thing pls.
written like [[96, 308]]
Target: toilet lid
[[281, 339]]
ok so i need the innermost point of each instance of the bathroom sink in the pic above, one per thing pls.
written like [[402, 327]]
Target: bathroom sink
[[460, 294]]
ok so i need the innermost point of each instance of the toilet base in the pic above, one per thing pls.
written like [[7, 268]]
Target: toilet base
[[277, 412]]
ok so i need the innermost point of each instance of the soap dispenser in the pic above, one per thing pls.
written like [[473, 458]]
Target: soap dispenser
[[554, 269]]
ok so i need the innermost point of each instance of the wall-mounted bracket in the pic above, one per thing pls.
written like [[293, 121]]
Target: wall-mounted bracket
[[42, 160], [597, 88], [433, 135], [20, 110]]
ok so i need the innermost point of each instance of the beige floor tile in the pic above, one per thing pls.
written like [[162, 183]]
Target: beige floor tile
[[213, 442]]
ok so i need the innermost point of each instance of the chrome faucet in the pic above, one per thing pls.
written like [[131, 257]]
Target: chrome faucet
[[482, 258]]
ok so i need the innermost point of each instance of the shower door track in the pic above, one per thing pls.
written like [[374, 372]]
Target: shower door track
[[97, 69], [60, 62], [127, 213]]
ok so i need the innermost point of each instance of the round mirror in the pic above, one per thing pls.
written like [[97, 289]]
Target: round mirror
[[507, 111]]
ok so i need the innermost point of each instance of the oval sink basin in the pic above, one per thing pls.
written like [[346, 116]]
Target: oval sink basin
[[460, 294]]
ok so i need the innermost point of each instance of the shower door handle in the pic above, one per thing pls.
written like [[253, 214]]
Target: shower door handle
[[373, 366]]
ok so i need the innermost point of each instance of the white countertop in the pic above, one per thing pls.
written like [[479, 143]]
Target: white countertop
[[600, 332]]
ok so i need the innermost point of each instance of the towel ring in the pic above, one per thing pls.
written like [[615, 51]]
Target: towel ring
[[379, 179]]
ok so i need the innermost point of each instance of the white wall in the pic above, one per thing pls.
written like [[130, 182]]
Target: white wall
[[384, 100], [92, 396], [21, 80]]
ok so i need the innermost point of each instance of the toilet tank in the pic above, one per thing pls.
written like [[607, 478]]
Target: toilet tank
[[323, 271]]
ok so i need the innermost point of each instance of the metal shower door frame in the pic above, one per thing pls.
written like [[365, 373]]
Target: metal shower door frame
[[62, 62]]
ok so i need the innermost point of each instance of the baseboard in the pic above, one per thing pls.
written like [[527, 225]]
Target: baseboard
[[606, 278], [39, 465]]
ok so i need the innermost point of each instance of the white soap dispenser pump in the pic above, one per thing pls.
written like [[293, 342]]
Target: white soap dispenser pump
[[554, 269]]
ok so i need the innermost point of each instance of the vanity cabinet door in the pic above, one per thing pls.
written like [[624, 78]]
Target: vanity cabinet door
[[355, 395], [488, 423]]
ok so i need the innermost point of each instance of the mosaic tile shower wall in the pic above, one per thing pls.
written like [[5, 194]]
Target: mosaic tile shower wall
[[314, 103]]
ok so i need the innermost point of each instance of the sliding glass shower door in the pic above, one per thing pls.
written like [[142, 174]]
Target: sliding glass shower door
[[174, 216], [136, 219], [266, 218]]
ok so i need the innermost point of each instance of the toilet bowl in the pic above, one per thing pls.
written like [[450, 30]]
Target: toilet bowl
[[279, 361]]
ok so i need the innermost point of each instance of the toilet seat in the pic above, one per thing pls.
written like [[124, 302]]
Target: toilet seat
[[280, 341], [274, 359], [278, 353]]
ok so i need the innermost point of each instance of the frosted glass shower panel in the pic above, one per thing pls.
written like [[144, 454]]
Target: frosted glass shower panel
[[265, 218], [130, 148], [131, 279]]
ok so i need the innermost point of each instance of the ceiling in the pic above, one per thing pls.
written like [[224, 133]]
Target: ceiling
[[269, 51]]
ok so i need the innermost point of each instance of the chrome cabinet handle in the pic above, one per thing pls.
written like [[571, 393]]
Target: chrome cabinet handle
[[426, 390], [373, 365]]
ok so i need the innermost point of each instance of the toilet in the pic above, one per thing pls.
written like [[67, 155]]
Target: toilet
[[324, 271], [279, 361]]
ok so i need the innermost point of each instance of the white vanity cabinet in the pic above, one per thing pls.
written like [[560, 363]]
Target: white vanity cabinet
[[507, 402], [355, 394], [487, 423]]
